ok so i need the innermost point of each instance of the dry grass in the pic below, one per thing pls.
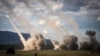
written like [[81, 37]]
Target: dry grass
[[51, 53]]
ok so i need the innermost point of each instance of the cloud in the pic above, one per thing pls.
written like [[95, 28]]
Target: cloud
[[98, 19], [77, 8], [92, 7], [79, 13], [57, 6], [72, 5], [81, 7]]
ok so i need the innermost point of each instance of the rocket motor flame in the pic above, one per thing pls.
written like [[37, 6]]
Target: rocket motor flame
[[45, 32]]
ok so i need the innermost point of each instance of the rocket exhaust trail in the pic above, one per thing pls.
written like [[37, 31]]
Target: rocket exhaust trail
[[60, 15], [26, 25], [24, 22], [59, 25], [10, 9], [46, 33], [20, 35], [28, 5], [51, 13], [65, 30]]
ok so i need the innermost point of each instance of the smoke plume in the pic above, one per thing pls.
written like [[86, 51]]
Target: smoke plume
[[20, 35], [91, 43], [71, 42], [21, 13]]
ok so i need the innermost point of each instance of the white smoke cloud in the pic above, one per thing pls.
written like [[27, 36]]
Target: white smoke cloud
[[42, 22], [59, 15], [70, 20], [73, 23], [22, 13], [20, 35]]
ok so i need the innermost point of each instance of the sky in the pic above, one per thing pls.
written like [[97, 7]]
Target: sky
[[53, 18]]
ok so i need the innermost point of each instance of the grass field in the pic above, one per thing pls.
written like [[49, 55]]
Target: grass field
[[51, 53]]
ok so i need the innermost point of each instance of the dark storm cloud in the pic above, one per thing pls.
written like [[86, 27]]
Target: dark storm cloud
[[72, 5], [6, 3], [94, 7], [90, 2], [9, 6]]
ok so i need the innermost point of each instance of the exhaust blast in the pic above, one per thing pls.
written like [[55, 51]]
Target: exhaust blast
[[26, 25], [69, 19], [20, 35], [71, 42], [91, 43]]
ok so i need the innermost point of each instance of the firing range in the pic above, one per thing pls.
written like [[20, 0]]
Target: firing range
[[50, 22]]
